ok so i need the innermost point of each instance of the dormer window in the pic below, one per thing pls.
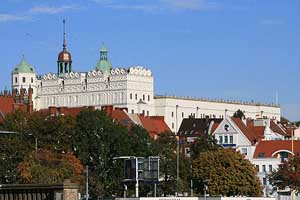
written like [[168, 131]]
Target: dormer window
[[261, 155]]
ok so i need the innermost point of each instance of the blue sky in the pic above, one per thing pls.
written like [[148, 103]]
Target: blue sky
[[232, 49]]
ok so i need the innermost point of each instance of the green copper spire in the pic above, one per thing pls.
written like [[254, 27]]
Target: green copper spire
[[103, 64], [23, 67]]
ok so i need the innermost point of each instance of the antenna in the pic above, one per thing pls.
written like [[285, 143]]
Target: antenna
[[64, 28]]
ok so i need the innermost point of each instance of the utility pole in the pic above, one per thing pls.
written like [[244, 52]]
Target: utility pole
[[136, 178], [177, 149], [87, 183], [36, 145]]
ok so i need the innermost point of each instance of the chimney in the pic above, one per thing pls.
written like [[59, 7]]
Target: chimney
[[14, 92], [244, 121], [30, 92], [109, 110], [5, 92], [21, 96]]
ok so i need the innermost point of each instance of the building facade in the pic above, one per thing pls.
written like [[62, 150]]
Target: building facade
[[175, 109], [131, 88]]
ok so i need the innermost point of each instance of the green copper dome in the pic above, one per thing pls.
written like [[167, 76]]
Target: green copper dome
[[23, 67], [103, 64]]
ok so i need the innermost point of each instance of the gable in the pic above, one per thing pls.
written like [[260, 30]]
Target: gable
[[231, 128]]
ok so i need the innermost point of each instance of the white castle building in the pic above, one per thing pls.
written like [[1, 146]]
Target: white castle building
[[130, 88]]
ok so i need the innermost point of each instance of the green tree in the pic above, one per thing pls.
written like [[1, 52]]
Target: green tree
[[287, 174], [141, 144], [166, 147], [239, 114], [52, 132], [13, 150], [47, 167], [202, 144], [228, 173], [97, 141]]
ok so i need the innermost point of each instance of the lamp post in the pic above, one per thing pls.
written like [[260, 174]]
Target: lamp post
[[177, 148], [205, 182], [87, 183]]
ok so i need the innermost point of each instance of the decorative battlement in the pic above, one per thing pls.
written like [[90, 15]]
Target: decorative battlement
[[251, 103], [138, 70]]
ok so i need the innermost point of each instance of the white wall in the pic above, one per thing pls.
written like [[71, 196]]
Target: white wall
[[30, 81], [97, 89], [165, 105]]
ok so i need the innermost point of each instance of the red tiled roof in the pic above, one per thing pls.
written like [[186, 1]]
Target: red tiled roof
[[154, 125], [6, 104], [122, 117], [246, 130], [215, 126], [267, 147], [258, 130], [74, 111]]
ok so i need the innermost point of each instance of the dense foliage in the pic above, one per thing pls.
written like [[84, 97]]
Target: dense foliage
[[202, 144], [47, 167], [48, 149], [227, 173]]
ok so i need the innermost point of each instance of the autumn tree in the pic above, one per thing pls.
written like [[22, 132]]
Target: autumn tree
[[228, 173], [287, 174], [48, 167]]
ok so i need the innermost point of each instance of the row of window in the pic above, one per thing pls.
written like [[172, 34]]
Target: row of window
[[85, 100], [147, 113], [23, 80], [136, 97], [264, 168], [201, 115], [225, 139]]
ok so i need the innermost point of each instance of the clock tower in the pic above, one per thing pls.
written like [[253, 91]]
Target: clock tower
[[64, 61]]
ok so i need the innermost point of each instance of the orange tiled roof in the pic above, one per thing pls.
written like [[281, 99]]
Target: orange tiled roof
[[154, 125], [246, 130], [74, 111], [215, 126], [122, 117], [267, 147], [6, 104]]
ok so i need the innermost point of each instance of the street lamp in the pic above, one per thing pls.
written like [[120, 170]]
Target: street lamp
[[177, 149], [205, 182]]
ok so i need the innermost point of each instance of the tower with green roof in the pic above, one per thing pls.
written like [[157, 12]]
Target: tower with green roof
[[24, 76], [103, 64]]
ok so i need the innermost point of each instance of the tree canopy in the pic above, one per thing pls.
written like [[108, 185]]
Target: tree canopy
[[93, 139], [48, 167], [227, 173], [287, 174], [239, 114], [202, 144]]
